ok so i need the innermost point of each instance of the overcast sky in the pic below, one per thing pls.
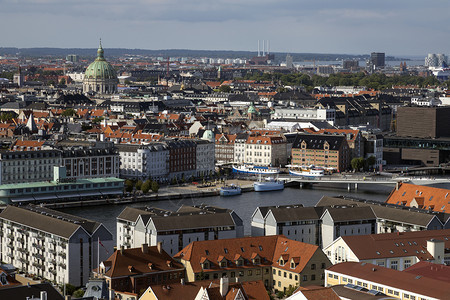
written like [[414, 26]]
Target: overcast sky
[[397, 27]]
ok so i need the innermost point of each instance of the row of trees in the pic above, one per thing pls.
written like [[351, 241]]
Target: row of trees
[[376, 81], [144, 186], [359, 163]]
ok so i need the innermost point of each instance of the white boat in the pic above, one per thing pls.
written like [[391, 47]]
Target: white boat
[[310, 171], [230, 190], [251, 169], [269, 184]]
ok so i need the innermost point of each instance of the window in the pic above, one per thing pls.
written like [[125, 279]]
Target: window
[[290, 275], [394, 265], [313, 277], [279, 273], [233, 274], [330, 275], [285, 274], [313, 266], [305, 277], [323, 266], [241, 273], [250, 273], [258, 272], [279, 283]]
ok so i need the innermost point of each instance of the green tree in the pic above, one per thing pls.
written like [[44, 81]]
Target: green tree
[[69, 112], [155, 186], [224, 89], [139, 185], [128, 186], [146, 186], [78, 293], [7, 116], [371, 161], [357, 163], [70, 289], [290, 291]]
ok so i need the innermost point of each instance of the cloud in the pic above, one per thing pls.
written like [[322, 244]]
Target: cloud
[[344, 26]]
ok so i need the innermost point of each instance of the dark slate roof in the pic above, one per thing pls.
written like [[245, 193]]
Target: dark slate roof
[[289, 213], [351, 213], [199, 220], [316, 141], [24, 292], [387, 212], [48, 220], [74, 99], [132, 213], [37, 106]]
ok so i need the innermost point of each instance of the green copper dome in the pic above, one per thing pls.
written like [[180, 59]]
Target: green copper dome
[[100, 68], [251, 109]]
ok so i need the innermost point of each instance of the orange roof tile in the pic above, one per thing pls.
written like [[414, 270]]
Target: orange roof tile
[[433, 198]]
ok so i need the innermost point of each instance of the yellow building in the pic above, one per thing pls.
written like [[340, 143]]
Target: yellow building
[[279, 262]]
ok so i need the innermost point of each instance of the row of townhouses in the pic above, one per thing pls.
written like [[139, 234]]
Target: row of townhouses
[[333, 217]]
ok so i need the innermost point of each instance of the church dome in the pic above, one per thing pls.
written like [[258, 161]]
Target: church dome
[[251, 109], [100, 68]]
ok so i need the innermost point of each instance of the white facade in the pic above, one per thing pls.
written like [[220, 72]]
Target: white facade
[[41, 242], [28, 166], [176, 230], [263, 153], [205, 153], [313, 114], [144, 161], [77, 77]]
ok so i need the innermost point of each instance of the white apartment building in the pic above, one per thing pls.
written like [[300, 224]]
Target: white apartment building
[[266, 150], [311, 114], [397, 251], [176, 230], [205, 154], [56, 246], [144, 161], [239, 148], [28, 166]]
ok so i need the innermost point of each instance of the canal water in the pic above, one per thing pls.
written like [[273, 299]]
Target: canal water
[[244, 205]]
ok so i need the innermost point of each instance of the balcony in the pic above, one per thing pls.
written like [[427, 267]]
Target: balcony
[[10, 236], [62, 265], [37, 246], [52, 251], [126, 235], [53, 261], [11, 246], [39, 256]]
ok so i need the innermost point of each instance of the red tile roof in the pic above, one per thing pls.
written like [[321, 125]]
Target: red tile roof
[[269, 248], [397, 279], [431, 270], [432, 198], [399, 244]]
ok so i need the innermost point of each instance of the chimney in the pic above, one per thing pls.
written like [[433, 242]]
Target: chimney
[[159, 247], [121, 250], [43, 295], [223, 286], [144, 248]]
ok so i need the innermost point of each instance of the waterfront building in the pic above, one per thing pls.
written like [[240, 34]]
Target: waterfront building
[[436, 60], [144, 161], [392, 283], [398, 250], [392, 217], [296, 222], [133, 270], [327, 151], [315, 225], [224, 152], [205, 153], [53, 245], [28, 165], [100, 77], [239, 148], [354, 140], [182, 158], [32, 161], [61, 189], [279, 262], [305, 114], [265, 150], [175, 230]]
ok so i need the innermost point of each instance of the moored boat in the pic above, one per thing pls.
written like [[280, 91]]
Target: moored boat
[[251, 169], [269, 184], [230, 190], [310, 171]]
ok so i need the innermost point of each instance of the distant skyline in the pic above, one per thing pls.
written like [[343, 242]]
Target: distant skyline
[[398, 28]]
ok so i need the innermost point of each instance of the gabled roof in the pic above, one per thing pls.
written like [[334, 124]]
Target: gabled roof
[[48, 220], [317, 141], [134, 261], [399, 244], [351, 213], [435, 199], [268, 248]]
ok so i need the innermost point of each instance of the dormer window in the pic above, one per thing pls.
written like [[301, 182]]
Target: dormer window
[[223, 264], [3, 280]]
